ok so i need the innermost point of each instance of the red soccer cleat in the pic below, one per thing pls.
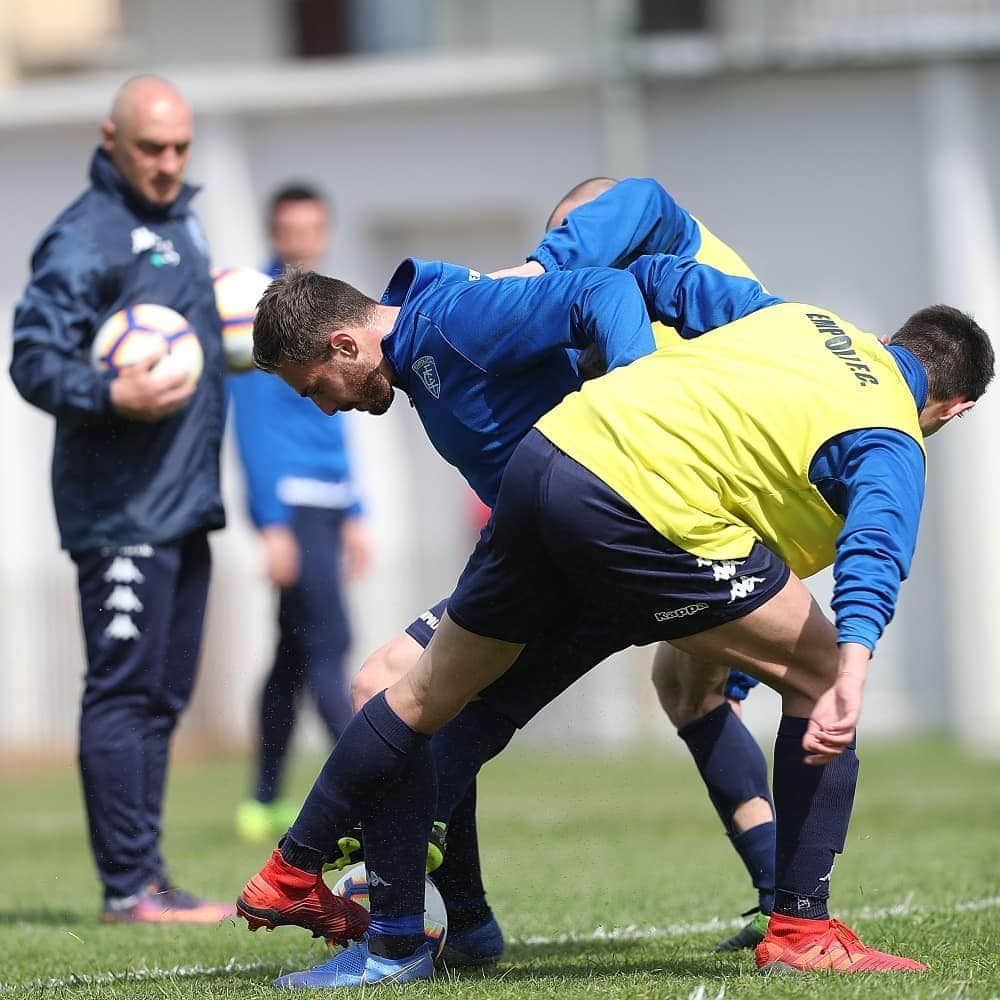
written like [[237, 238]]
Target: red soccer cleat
[[280, 895], [795, 945]]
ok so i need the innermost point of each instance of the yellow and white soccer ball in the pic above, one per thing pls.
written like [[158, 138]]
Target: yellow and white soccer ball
[[237, 292], [353, 885], [134, 333]]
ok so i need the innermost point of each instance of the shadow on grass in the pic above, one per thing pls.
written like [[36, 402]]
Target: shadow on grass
[[47, 918]]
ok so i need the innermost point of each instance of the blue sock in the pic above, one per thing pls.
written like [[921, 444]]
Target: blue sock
[[734, 771], [376, 752], [476, 735], [813, 807], [460, 878]]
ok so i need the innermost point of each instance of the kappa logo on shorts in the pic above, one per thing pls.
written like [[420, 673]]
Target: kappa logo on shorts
[[722, 570], [427, 369], [744, 587], [686, 612]]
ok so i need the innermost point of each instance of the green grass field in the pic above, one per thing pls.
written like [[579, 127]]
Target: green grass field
[[611, 878]]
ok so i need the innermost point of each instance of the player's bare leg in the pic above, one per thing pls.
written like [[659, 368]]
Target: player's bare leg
[[692, 693], [454, 668], [384, 667], [791, 645]]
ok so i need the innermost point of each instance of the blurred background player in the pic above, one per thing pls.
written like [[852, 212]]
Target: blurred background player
[[305, 507], [135, 476]]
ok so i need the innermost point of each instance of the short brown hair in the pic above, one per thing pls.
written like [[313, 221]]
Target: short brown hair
[[954, 350], [297, 314]]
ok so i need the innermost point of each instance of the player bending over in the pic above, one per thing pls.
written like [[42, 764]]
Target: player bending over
[[599, 222], [754, 488]]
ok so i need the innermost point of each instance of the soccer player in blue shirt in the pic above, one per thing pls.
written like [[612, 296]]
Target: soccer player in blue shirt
[[680, 498], [599, 222], [305, 507], [479, 359]]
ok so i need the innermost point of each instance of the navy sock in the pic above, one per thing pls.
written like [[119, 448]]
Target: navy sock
[[376, 750], [396, 816], [756, 847], [813, 807], [733, 768], [477, 734], [460, 878]]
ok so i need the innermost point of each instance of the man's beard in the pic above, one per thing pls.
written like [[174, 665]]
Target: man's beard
[[373, 391]]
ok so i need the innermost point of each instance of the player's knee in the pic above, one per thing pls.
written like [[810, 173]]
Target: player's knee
[[384, 667], [687, 689]]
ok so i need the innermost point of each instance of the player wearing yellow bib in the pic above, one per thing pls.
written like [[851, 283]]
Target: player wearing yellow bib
[[680, 498], [684, 496]]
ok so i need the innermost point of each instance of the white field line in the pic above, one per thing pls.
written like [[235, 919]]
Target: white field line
[[630, 932]]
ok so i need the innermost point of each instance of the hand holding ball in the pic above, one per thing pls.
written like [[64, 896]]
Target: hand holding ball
[[156, 357]]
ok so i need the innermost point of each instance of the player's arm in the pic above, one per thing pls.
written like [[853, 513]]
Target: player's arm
[[636, 216], [882, 476], [508, 325], [876, 477], [53, 323], [695, 298]]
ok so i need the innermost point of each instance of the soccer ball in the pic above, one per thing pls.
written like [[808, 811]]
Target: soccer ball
[[237, 292], [353, 885], [132, 334]]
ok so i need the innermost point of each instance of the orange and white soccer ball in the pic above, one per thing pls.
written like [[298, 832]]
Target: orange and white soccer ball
[[134, 333], [353, 885], [237, 292]]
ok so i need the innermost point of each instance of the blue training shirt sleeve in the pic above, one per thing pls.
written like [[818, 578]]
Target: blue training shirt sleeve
[[695, 298], [260, 447], [636, 216], [509, 324], [882, 473], [54, 324]]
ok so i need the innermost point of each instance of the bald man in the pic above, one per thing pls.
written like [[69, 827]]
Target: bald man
[[135, 475]]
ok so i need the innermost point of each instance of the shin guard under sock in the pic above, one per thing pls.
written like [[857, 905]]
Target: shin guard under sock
[[813, 809], [733, 768], [375, 750]]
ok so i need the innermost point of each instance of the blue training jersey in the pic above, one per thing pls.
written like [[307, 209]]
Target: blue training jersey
[[481, 360], [293, 455]]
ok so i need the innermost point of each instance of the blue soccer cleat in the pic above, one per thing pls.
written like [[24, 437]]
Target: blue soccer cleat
[[479, 945], [357, 966]]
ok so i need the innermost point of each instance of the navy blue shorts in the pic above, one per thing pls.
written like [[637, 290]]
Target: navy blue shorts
[[562, 546], [545, 669]]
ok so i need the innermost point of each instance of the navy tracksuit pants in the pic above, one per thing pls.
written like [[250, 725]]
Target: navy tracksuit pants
[[142, 608], [314, 636]]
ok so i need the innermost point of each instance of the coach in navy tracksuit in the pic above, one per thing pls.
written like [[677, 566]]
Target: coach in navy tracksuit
[[135, 475]]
